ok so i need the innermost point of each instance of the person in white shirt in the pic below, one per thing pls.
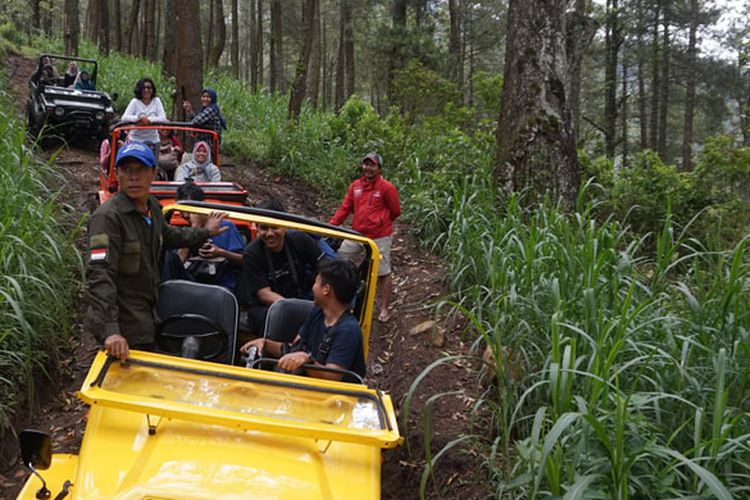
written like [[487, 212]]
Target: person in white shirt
[[145, 109]]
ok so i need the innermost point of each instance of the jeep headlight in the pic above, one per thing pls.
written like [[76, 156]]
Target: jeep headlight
[[59, 111], [100, 116]]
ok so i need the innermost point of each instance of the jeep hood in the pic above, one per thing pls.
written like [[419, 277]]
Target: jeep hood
[[62, 96], [163, 427]]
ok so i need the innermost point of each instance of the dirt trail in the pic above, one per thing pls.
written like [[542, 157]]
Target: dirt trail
[[397, 354]]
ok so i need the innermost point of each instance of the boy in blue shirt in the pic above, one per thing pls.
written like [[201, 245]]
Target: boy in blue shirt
[[331, 335]]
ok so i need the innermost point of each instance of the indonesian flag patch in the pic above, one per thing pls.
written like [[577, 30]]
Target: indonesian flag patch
[[99, 244], [98, 254]]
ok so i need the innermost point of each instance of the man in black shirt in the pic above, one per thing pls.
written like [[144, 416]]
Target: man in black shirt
[[277, 265]]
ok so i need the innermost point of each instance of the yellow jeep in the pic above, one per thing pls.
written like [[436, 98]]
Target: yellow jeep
[[161, 426]]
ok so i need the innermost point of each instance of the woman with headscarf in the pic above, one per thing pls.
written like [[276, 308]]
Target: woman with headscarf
[[145, 109], [200, 168], [209, 116]]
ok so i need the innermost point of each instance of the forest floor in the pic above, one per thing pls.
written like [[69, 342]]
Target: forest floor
[[399, 350]]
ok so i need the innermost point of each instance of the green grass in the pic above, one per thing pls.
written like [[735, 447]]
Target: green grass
[[38, 269], [633, 365]]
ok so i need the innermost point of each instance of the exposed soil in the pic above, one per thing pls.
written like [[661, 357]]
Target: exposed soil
[[397, 353]]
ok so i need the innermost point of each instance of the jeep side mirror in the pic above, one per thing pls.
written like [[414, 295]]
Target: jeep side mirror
[[36, 449], [115, 96], [36, 453]]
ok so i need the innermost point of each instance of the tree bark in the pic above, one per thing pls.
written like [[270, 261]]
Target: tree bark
[[299, 87], [103, 32], [71, 27], [36, 14], [148, 29], [217, 45], [624, 112], [581, 29], [235, 39], [535, 140], [117, 7], [612, 50], [454, 43], [259, 42], [687, 131], [94, 16], [348, 50], [642, 113], [169, 61], [313, 70], [655, 82], [189, 55], [277, 49], [132, 25], [664, 90], [396, 57], [210, 33], [341, 61]]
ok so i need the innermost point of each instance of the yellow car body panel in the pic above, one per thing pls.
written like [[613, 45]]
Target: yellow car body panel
[[163, 427]]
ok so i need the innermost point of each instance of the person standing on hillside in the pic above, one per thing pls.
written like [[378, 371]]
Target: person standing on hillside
[[127, 235], [375, 204]]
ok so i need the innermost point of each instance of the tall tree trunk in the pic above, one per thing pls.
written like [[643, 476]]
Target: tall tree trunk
[[94, 17], [169, 61], [612, 49], [157, 28], [348, 49], [454, 43], [36, 14], [132, 25], [189, 55], [217, 45], [210, 32], [324, 59], [313, 71], [148, 28], [251, 64], [642, 113], [277, 49], [299, 87], [341, 61], [653, 133], [117, 16], [624, 112], [420, 6], [235, 39], [71, 27], [535, 141], [396, 56], [472, 67], [664, 91], [581, 29], [103, 31], [687, 131], [259, 38]]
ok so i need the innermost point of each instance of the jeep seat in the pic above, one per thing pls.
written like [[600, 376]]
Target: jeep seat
[[197, 321], [285, 317]]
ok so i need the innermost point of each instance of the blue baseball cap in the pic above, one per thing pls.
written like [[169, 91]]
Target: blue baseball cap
[[138, 151]]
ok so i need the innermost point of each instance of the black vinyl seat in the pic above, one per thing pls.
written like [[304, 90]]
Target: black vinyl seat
[[197, 321], [285, 317]]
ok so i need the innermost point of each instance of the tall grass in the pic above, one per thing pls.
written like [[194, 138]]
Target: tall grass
[[619, 373], [39, 268]]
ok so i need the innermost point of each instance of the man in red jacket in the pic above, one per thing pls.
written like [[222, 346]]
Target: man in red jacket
[[375, 203]]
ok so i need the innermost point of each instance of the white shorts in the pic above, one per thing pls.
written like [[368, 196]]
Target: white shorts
[[355, 253]]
